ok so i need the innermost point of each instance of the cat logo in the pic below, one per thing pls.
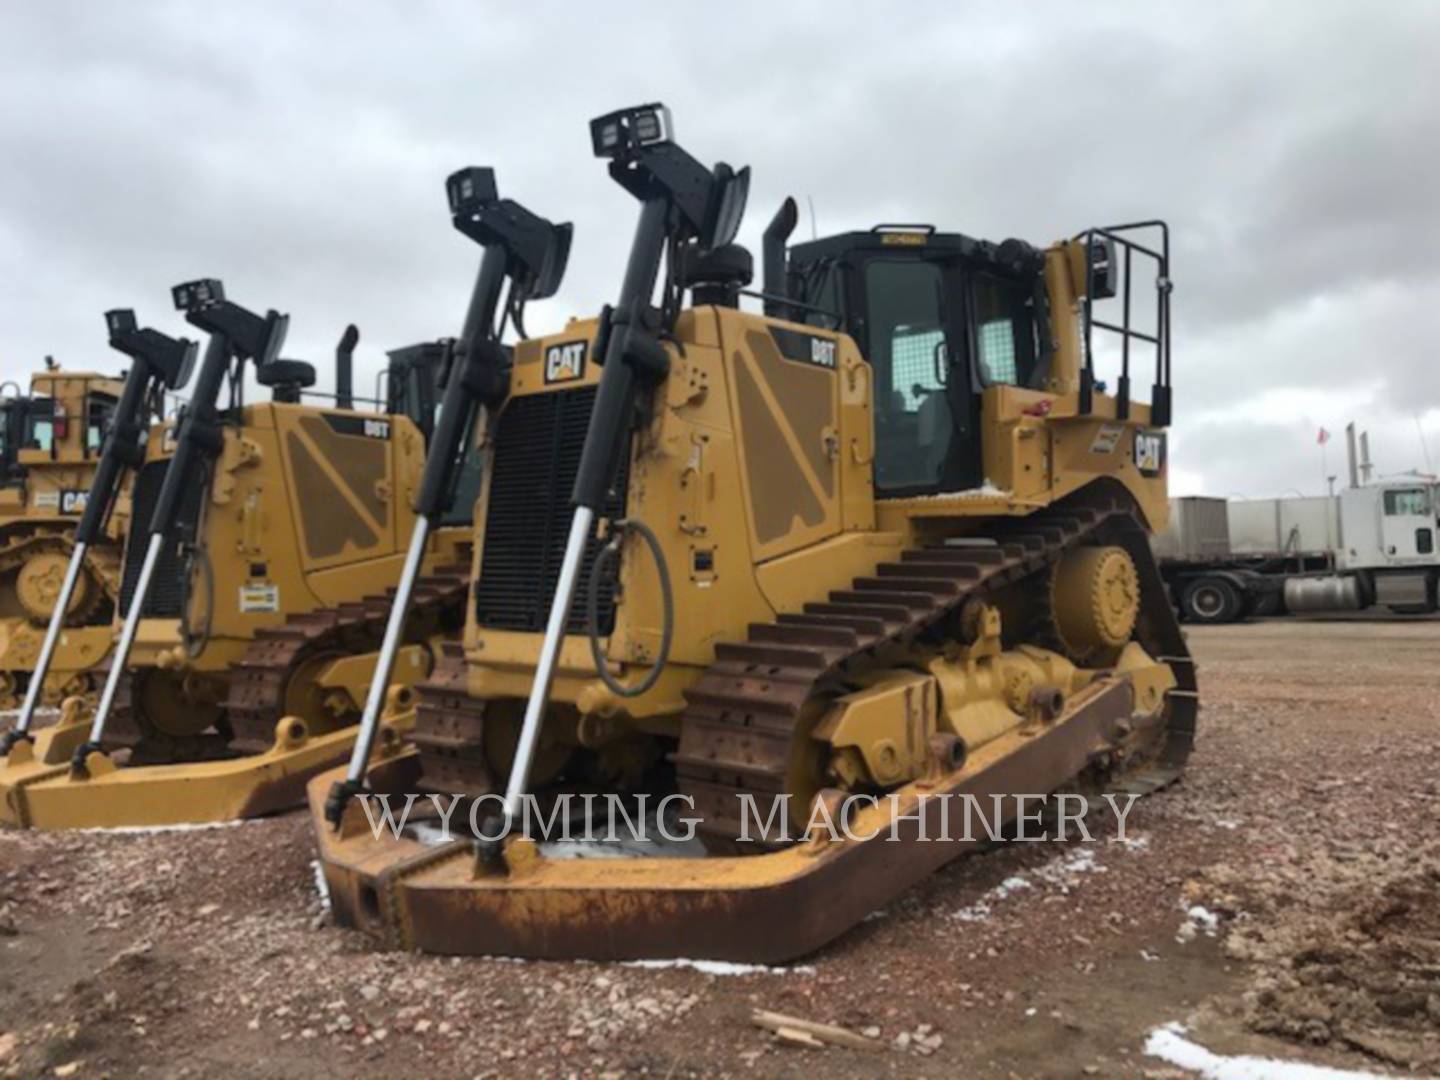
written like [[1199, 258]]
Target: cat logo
[[1150, 452], [73, 502], [565, 362]]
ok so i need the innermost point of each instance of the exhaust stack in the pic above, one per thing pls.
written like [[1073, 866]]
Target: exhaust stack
[[1350, 454], [345, 368], [776, 286], [1365, 466]]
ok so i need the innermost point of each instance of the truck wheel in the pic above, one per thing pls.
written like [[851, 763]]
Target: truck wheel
[[1211, 600]]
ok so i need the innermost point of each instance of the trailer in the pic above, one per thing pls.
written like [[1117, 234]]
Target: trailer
[[1369, 546]]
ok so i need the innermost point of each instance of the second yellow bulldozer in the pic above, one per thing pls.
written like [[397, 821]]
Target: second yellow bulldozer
[[263, 537], [880, 545]]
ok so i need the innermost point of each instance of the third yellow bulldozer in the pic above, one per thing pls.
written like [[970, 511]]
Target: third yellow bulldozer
[[49, 448], [882, 542]]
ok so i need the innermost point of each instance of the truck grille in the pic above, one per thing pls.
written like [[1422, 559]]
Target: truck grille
[[538, 441], [167, 587]]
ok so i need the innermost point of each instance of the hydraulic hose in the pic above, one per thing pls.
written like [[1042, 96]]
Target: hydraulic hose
[[608, 554]]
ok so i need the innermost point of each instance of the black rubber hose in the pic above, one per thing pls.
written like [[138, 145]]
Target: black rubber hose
[[608, 554]]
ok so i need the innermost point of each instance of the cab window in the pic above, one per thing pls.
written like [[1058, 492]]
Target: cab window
[[1411, 502], [1004, 332], [40, 426], [99, 412]]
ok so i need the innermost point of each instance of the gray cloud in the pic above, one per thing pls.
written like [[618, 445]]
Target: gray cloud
[[298, 152]]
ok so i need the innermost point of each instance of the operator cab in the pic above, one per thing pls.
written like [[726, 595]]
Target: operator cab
[[415, 381], [939, 317], [41, 423]]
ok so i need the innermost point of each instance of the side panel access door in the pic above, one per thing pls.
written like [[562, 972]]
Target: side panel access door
[[342, 491], [784, 395]]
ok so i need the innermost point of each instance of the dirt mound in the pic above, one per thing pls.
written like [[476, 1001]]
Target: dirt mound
[[1346, 948]]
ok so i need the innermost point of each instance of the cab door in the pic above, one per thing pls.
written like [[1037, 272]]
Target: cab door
[[927, 431], [1407, 525]]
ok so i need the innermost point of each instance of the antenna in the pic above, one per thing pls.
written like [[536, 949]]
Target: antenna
[[1424, 447]]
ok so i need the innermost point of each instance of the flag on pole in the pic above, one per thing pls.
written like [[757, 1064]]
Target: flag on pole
[[1322, 438]]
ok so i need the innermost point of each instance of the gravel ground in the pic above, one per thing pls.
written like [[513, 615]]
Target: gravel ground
[[1281, 901]]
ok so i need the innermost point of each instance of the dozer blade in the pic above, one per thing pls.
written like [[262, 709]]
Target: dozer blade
[[28, 764], [765, 908], [117, 796]]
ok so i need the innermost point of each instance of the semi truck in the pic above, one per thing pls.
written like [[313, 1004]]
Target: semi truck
[[1371, 545]]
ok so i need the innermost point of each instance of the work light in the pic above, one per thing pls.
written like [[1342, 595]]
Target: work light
[[471, 188], [615, 133], [120, 321], [196, 294]]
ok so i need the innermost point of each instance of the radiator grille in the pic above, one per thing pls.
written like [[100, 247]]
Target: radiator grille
[[167, 587], [538, 441]]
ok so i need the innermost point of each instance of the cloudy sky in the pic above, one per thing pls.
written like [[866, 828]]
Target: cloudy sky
[[298, 152]]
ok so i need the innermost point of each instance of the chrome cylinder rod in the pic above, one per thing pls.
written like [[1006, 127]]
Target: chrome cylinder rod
[[127, 639], [389, 647], [545, 668], [52, 636]]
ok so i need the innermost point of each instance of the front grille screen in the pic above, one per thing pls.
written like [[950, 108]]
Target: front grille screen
[[538, 440]]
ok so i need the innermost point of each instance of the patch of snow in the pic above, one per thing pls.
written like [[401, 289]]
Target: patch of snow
[[987, 490], [1207, 920], [1228, 823], [653, 846], [155, 830], [1058, 871], [1197, 918], [720, 967], [322, 887], [1168, 1043]]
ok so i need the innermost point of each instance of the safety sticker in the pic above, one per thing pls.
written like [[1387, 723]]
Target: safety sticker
[[259, 598], [1107, 438]]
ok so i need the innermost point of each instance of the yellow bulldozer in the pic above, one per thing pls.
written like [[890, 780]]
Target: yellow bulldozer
[[50, 445], [262, 539], [878, 544]]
